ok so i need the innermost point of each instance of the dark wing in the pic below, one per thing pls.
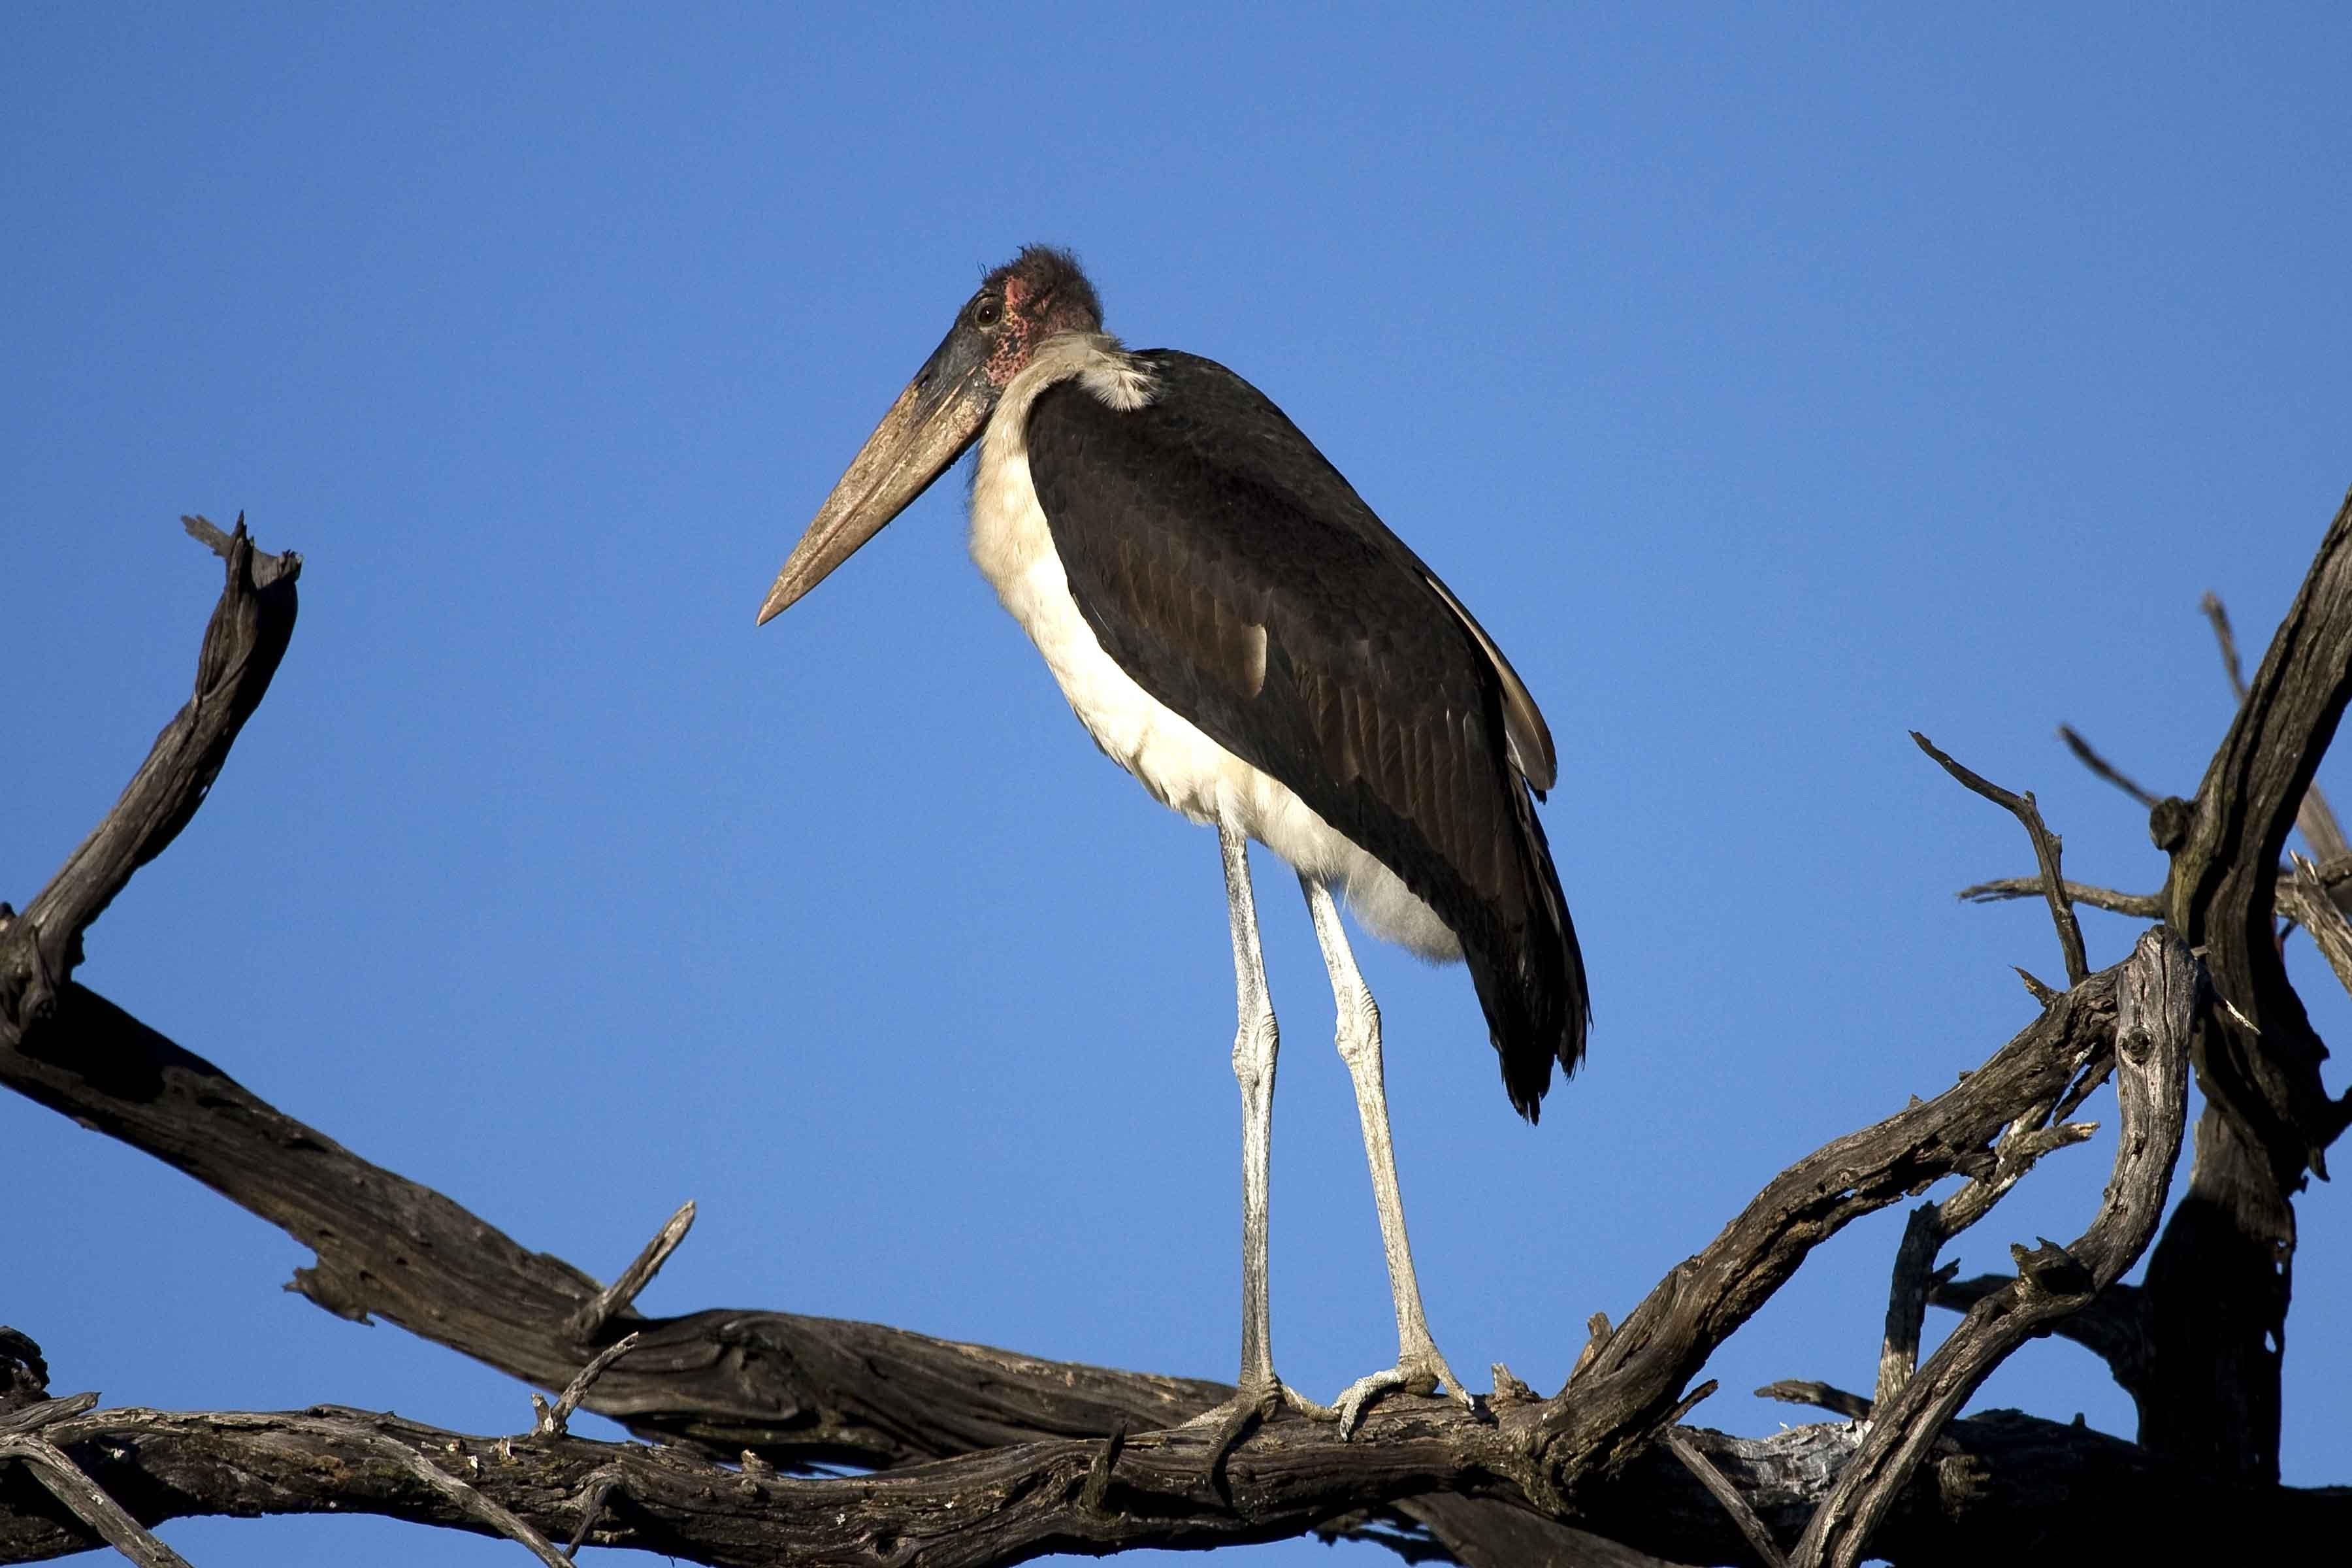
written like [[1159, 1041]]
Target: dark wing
[[1236, 576]]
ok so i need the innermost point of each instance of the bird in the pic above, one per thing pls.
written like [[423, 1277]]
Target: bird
[[1237, 627]]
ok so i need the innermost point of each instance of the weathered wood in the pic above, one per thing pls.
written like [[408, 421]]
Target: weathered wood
[[1632, 1382], [2222, 1278], [2157, 1000], [246, 637], [2075, 1494], [796, 1390], [1018, 1461]]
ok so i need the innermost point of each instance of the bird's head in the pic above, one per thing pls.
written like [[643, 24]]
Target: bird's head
[[1019, 307]]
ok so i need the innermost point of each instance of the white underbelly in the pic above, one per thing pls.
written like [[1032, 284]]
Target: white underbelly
[[1183, 767]]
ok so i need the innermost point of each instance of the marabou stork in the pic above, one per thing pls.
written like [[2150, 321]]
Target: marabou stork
[[1236, 628]]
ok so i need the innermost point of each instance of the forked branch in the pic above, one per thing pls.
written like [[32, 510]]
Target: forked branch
[[2045, 850]]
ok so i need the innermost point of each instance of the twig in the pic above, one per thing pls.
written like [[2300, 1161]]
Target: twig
[[502, 1519], [590, 1320], [555, 1423], [2045, 851], [1726, 1494], [592, 1507], [2145, 905], [1819, 1396], [2214, 612], [66, 1481], [2102, 767]]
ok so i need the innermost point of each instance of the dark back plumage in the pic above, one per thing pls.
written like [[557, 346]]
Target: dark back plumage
[[1236, 576]]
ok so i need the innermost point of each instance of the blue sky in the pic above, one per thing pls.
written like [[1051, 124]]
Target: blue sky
[[1769, 384]]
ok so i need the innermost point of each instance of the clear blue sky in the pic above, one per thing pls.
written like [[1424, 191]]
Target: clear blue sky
[[1769, 384]]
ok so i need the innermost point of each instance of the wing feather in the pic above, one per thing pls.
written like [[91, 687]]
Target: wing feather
[[1236, 576]]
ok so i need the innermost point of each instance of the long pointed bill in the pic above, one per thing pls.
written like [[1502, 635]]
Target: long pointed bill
[[939, 415]]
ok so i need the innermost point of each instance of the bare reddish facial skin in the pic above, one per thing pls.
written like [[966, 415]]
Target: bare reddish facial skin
[[1044, 294]]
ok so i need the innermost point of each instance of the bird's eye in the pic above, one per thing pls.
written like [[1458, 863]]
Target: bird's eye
[[987, 313]]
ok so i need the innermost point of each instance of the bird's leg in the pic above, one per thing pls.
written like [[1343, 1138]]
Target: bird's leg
[[1257, 1041], [1420, 1367]]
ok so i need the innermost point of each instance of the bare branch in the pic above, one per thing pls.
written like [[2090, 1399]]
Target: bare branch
[[2156, 1009], [1913, 1277], [2089, 758], [247, 636], [589, 1322], [33, 1417], [803, 1390], [2219, 1282], [796, 1389], [1932, 1226], [2075, 1492], [554, 1422], [67, 1483], [1632, 1382], [2145, 906], [2214, 612], [2045, 851], [600, 1488], [1726, 1494], [1819, 1396], [499, 1519]]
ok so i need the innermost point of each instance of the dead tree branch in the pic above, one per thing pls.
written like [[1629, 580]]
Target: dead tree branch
[[889, 1397], [2046, 849], [2200, 1346], [2089, 757], [797, 1391], [588, 1323], [2075, 1492], [993, 1456], [2147, 906], [247, 636], [2222, 1277], [2157, 1004], [1933, 1225]]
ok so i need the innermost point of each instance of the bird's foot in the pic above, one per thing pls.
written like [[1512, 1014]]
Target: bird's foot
[[1418, 1373], [1252, 1404]]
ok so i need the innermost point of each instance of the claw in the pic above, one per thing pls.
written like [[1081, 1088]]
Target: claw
[[1246, 1411], [1412, 1374]]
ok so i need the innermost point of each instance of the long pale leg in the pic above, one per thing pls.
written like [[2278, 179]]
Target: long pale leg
[[1419, 1368], [1257, 1042]]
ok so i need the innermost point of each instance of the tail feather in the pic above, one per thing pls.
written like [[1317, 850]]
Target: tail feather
[[1530, 978]]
